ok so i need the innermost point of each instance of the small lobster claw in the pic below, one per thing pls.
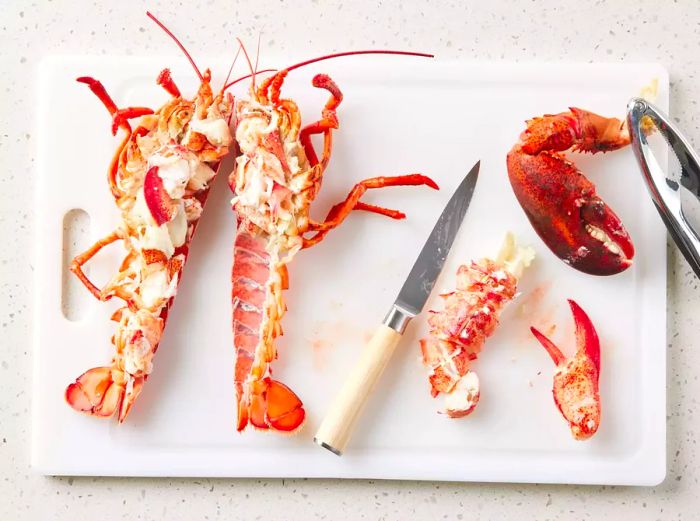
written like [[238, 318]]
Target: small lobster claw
[[560, 202], [575, 387]]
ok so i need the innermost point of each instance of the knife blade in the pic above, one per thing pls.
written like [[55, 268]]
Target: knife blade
[[431, 259], [336, 428]]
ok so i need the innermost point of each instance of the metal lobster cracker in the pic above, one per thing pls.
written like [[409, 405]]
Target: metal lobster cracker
[[668, 164]]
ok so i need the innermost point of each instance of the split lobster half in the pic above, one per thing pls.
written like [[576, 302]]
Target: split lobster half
[[560, 202], [276, 177], [576, 379], [159, 177]]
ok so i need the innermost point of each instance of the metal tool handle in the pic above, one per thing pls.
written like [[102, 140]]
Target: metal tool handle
[[338, 424], [665, 192]]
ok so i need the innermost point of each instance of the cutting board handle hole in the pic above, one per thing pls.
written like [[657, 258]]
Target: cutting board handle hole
[[75, 298]]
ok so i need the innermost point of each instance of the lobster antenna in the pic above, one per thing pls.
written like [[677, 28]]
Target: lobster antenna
[[328, 57], [230, 69], [352, 53], [179, 44], [250, 65], [237, 80], [257, 52]]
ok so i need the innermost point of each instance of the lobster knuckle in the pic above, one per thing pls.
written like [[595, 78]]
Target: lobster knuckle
[[598, 133]]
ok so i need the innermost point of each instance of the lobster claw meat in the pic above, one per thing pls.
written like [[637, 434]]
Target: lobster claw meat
[[560, 202], [575, 387], [157, 199]]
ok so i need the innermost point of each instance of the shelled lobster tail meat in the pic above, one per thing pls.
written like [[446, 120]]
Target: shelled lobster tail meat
[[560, 202], [275, 179], [575, 387], [160, 177], [470, 315]]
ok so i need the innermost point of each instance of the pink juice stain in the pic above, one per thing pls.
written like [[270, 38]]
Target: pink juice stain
[[320, 349], [535, 311], [326, 336]]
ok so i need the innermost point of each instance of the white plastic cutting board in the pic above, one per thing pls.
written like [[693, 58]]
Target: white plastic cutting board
[[399, 115]]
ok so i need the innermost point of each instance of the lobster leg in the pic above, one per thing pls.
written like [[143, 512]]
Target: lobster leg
[[276, 86], [99, 90], [264, 87], [327, 123], [77, 263], [120, 117], [394, 214], [165, 80], [340, 211]]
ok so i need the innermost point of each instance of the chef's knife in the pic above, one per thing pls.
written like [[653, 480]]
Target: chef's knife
[[337, 426]]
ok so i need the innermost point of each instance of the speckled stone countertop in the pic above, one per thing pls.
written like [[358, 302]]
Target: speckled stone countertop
[[629, 30]]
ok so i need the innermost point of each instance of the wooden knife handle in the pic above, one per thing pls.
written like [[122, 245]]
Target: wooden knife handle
[[337, 426]]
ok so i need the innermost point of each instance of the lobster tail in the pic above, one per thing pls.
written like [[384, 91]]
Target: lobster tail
[[102, 391], [470, 315], [258, 279], [270, 405]]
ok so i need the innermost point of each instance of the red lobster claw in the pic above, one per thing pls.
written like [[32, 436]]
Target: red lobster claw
[[575, 387], [560, 202]]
